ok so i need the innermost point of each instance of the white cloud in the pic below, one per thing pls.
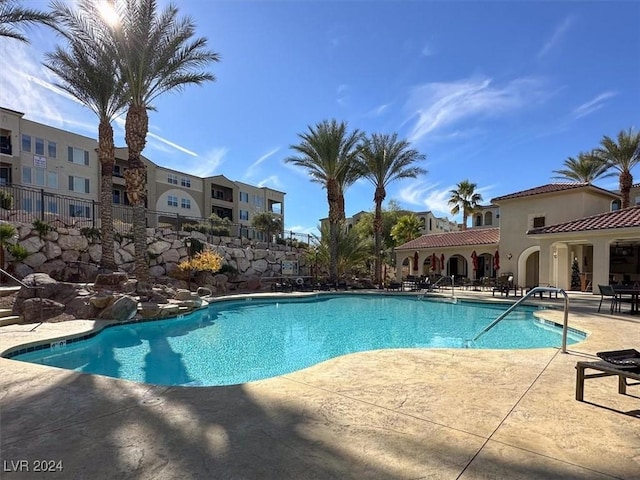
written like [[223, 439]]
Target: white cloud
[[440, 105], [251, 169], [557, 35], [427, 51], [423, 195], [377, 111], [592, 105], [209, 163], [342, 94], [271, 181]]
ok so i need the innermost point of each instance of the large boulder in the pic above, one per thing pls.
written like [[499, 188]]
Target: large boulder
[[43, 286], [53, 268], [37, 310], [73, 242], [81, 307], [35, 260], [124, 308], [158, 247], [113, 282]]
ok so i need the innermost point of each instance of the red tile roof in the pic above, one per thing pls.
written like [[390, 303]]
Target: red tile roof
[[479, 236], [551, 188], [627, 218]]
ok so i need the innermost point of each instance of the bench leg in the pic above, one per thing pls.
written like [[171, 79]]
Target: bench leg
[[622, 385], [580, 383]]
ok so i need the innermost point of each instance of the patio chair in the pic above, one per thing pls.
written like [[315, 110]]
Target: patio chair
[[608, 291], [625, 364]]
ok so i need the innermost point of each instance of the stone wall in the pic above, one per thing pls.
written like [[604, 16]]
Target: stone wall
[[66, 254]]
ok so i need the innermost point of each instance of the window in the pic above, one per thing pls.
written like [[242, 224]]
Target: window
[[488, 218], [52, 180], [78, 156], [538, 222], [244, 215], [172, 201], [258, 201], [52, 149], [52, 206], [39, 146], [185, 203], [172, 179], [116, 197], [26, 143], [78, 210], [638, 200], [39, 176], [185, 182], [478, 220], [244, 197], [117, 171], [26, 174], [78, 184]]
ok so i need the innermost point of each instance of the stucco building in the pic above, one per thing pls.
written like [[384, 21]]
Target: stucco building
[[539, 233], [62, 163]]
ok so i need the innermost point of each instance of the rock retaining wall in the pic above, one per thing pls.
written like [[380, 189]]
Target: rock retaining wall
[[66, 254]]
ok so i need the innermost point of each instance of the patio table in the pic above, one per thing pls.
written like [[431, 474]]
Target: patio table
[[634, 296]]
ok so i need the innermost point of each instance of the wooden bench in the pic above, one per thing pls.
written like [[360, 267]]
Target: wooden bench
[[606, 370]]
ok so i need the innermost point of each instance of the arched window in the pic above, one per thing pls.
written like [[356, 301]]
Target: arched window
[[430, 225], [488, 218], [615, 205], [478, 221]]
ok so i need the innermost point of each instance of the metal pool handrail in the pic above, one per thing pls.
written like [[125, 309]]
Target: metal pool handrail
[[535, 290]]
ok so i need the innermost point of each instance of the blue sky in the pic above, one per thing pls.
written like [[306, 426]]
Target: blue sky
[[500, 93]]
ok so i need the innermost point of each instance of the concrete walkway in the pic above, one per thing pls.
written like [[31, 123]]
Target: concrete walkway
[[392, 414]]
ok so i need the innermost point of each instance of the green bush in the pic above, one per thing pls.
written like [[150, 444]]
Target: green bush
[[6, 200], [91, 233], [41, 227], [18, 252]]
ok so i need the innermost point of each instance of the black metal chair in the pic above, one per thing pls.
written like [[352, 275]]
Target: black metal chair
[[608, 291]]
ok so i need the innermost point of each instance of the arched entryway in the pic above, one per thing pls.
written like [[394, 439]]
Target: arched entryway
[[457, 265], [529, 267]]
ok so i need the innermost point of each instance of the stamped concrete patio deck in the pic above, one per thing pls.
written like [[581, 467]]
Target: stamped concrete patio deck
[[392, 414]]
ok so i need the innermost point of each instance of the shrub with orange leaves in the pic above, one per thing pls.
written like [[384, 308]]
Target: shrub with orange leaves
[[205, 261]]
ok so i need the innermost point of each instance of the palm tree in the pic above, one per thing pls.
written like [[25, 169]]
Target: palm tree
[[406, 229], [12, 13], [267, 223], [328, 152], [464, 199], [586, 168], [622, 156], [383, 159], [156, 54], [352, 252], [87, 72]]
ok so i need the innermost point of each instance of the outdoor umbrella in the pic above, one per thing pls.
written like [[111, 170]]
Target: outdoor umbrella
[[496, 261], [433, 262], [442, 261], [415, 261], [474, 258]]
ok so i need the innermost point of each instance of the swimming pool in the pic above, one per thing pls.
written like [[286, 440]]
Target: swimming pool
[[239, 341]]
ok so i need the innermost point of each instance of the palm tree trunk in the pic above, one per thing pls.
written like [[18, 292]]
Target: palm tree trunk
[[106, 155], [626, 181], [333, 198], [379, 196], [136, 128], [464, 219]]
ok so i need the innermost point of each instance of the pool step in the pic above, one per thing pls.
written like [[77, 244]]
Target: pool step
[[5, 312], [10, 320]]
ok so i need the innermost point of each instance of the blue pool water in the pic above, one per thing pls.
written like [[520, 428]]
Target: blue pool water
[[234, 342]]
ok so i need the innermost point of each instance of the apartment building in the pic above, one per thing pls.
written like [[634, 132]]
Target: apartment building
[[59, 162], [429, 223]]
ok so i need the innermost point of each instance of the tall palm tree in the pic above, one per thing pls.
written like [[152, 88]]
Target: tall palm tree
[[12, 13], [622, 156], [157, 53], [328, 152], [268, 223], [383, 159], [87, 72], [586, 168], [464, 199]]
